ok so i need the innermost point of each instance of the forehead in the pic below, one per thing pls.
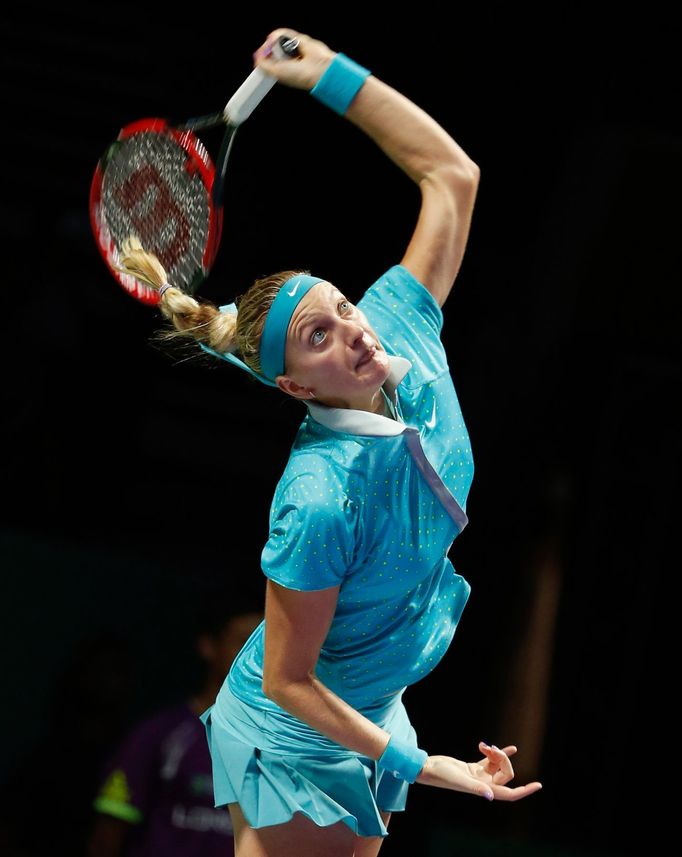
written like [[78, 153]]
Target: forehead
[[320, 296]]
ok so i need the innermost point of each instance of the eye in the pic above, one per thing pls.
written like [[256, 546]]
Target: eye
[[348, 304]]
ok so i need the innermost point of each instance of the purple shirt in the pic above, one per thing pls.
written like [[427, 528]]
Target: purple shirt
[[160, 780]]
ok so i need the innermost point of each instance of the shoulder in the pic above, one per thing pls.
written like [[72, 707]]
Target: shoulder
[[311, 543], [310, 472], [398, 295], [312, 497], [409, 322], [309, 494]]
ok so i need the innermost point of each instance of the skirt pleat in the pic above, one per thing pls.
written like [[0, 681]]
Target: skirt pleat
[[271, 782]]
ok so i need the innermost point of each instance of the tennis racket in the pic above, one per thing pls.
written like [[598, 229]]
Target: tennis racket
[[157, 181]]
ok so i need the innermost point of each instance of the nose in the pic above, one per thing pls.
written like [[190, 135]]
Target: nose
[[358, 335]]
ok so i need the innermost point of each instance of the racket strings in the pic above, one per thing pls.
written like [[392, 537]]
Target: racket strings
[[153, 190]]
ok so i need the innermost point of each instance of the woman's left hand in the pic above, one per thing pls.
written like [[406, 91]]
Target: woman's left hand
[[487, 777]]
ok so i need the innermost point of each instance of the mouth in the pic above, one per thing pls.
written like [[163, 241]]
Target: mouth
[[367, 356]]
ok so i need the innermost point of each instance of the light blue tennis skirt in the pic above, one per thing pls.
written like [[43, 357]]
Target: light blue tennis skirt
[[274, 765]]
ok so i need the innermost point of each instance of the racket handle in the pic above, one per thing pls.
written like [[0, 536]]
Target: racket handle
[[257, 84]]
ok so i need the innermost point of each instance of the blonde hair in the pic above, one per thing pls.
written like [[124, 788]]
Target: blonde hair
[[203, 321]]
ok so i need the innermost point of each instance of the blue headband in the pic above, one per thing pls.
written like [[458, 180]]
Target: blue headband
[[274, 339]]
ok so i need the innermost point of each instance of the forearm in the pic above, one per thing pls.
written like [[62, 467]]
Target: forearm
[[407, 134], [315, 704]]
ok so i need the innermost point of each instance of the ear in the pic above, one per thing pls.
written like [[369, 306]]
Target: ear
[[291, 388]]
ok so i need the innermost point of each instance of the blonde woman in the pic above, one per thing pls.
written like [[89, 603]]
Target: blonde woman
[[311, 744]]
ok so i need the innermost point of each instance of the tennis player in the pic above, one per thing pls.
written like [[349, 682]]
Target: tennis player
[[311, 744]]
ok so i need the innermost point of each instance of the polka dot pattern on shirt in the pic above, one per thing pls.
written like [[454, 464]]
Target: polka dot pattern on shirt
[[354, 511]]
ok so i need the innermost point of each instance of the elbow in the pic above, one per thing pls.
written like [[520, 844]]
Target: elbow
[[475, 170], [275, 689], [464, 168], [467, 173], [269, 688], [280, 688], [455, 176]]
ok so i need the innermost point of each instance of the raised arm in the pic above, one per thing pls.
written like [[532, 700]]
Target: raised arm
[[447, 177], [407, 134]]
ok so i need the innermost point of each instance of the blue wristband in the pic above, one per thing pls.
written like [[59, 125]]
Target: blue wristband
[[402, 759], [340, 83]]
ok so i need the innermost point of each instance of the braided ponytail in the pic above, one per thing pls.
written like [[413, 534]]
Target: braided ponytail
[[200, 321], [224, 332]]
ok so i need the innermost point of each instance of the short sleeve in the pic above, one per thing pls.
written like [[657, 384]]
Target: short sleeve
[[408, 321], [311, 543], [129, 776]]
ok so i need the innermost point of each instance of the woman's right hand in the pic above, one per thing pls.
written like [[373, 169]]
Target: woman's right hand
[[485, 778], [300, 72]]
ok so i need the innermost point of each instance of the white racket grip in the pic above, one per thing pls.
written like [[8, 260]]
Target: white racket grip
[[251, 92], [248, 96]]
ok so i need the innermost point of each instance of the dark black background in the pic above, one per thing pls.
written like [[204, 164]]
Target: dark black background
[[133, 480]]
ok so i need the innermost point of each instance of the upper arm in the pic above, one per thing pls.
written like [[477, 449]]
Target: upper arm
[[312, 531], [434, 254], [296, 625]]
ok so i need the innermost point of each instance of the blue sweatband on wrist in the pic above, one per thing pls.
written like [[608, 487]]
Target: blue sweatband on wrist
[[402, 759], [340, 83]]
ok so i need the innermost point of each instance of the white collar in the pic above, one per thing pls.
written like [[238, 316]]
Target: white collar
[[352, 421]]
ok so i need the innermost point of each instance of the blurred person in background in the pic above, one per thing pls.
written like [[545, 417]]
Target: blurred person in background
[[156, 791]]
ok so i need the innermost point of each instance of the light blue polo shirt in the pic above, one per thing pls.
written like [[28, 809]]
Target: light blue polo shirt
[[373, 505]]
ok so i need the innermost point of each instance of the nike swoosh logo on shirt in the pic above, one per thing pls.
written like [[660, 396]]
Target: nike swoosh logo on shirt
[[293, 291], [432, 422]]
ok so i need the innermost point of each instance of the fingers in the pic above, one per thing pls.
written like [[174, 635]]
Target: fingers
[[496, 763], [450, 773], [505, 793], [499, 792], [510, 750], [282, 31], [265, 50]]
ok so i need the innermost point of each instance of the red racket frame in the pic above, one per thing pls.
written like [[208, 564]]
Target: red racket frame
[[198, 160]]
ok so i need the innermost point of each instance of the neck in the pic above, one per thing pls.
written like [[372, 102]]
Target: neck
[[386, 409], [378, 405]]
